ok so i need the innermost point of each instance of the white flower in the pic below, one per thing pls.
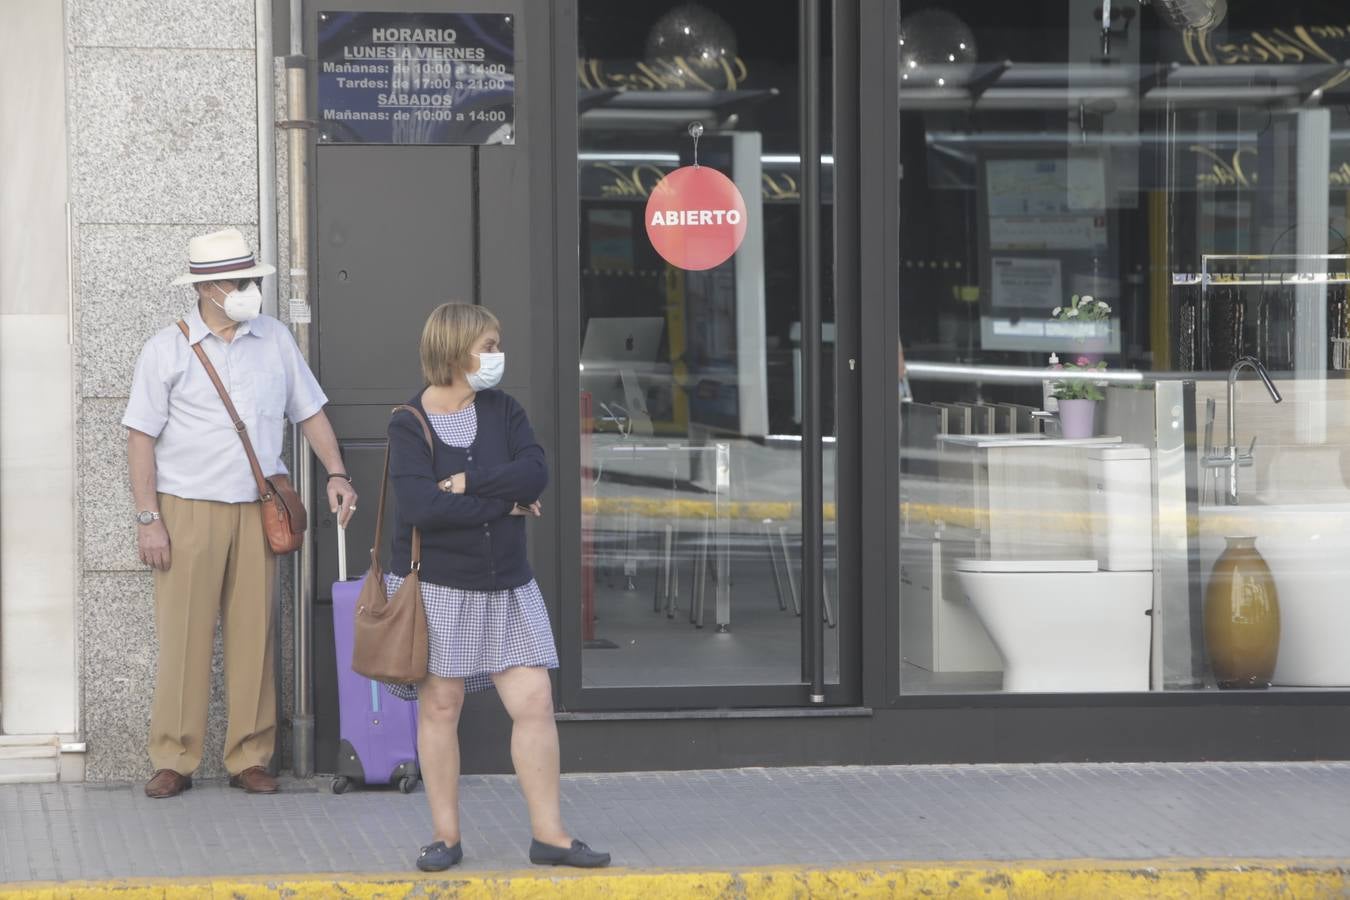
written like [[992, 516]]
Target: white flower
[[1087, 298], [1072, 314], [1056, 311], [1103, 306]]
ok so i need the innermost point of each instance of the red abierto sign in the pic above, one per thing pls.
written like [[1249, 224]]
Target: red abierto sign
[[696, 218]]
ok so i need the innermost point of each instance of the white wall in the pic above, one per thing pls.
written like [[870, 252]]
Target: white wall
[[38, 671]]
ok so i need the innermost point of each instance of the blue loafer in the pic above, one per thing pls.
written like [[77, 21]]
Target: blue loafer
[[578, 855], [438, 857]]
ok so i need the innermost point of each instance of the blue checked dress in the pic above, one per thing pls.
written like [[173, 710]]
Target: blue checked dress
[[474, 634]]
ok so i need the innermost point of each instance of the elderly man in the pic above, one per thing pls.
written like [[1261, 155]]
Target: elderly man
[[198, 516]]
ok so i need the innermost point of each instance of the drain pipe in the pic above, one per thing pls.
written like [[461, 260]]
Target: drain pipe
[[296, 125], [267, 148], [267, 235]]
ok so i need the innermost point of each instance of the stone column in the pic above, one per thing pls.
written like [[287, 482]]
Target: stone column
[[163, 145]]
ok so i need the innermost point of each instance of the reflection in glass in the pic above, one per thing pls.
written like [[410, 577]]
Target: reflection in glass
[[936, 47], [694, 34], [1200, 189]]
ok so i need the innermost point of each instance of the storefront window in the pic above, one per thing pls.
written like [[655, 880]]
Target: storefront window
[[691, 379], [1158, 208]]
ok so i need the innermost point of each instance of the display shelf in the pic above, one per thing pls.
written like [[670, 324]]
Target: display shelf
[[1270, 330], [1263, 279], [1003, 85]]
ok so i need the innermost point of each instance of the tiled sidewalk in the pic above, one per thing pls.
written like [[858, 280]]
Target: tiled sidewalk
[[746, 817]]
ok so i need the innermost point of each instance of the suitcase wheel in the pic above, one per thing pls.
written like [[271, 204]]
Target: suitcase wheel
[[408, 783], [341, 784]]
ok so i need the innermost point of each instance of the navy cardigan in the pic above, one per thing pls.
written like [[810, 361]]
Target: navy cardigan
[[469, 541]]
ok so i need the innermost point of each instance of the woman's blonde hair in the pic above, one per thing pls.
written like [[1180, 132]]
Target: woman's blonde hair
[[448, 338]]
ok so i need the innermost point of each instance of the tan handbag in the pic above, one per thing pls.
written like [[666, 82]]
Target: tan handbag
[[390, 643], [283, 514]]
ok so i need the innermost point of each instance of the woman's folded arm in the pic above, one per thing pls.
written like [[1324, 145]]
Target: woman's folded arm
[[421, 502], [522, 479]]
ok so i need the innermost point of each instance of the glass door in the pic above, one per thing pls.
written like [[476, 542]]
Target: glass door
[[699, 536]]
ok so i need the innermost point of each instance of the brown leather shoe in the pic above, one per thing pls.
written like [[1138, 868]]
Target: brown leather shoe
[[255, 780], [167, 783]]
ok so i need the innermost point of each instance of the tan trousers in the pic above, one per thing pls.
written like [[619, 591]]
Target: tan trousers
[[220, 565]]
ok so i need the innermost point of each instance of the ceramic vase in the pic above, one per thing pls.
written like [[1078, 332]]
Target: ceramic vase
[[1242, 617], [1077, 418]]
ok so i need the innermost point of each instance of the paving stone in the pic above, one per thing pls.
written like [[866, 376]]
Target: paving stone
[[734, 817]]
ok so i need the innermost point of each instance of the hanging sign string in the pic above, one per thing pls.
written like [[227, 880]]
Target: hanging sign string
[[696, 132]]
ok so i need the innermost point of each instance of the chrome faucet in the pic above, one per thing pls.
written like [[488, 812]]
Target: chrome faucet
[[1231, 458]]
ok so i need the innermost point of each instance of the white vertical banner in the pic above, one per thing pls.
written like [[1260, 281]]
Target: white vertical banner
[[1310, 317], [752, 359]]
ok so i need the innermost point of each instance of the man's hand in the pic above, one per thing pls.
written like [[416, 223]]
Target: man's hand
[[341, 495], [153, 543], [341, 499], [535, 509]]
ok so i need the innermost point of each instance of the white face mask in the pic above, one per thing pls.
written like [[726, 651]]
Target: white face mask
[[491, 366], [242, 305]]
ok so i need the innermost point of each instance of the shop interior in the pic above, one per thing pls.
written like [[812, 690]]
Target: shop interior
[[1161, 205], [1123, 267]]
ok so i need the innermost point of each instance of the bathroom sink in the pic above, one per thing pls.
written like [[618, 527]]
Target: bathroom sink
[[1307, 547]]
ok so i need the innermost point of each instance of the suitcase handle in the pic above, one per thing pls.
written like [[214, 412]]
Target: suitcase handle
[[342, 553]]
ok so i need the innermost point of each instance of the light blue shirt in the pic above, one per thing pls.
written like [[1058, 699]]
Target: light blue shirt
[[198, 455]]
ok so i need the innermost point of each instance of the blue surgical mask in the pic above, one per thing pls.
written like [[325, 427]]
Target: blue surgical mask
[[491, 367]]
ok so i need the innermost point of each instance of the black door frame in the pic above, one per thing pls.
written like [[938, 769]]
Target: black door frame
[[566, 541], [879, 333]]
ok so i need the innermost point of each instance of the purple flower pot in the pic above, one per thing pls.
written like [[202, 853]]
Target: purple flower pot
[[1076, 418]]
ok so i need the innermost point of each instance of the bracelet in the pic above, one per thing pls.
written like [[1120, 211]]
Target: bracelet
[[333, 475]]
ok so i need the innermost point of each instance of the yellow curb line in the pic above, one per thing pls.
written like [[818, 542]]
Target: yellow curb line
[[1066, 880]]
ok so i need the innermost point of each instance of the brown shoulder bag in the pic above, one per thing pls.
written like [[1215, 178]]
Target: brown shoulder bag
[[284, 517], [390, 643]]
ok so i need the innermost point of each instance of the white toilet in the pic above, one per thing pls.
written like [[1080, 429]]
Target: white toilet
[[1079, 625]]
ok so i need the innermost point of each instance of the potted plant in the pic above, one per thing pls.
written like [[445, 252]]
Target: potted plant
[[1078, 396], [1083, 313]]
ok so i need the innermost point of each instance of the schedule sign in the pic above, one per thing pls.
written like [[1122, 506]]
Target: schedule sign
[[416, 78]]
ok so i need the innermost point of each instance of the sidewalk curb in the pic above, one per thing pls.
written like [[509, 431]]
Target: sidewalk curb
[[1060, 880]]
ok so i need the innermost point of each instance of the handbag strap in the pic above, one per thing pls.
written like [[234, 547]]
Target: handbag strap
[[242, 430], [415, 557]]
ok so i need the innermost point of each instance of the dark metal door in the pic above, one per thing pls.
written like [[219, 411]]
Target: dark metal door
[[397, 231], [394, 241]]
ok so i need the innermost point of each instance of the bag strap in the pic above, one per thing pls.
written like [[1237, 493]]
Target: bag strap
[[416, 555], [263, 490]]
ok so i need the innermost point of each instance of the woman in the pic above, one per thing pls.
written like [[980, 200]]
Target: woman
[[486, 621]]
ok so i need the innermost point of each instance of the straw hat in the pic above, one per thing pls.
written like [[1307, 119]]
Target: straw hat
[[221, 255]]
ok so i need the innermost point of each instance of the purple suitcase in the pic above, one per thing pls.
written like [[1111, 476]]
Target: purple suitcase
[[378, 730]]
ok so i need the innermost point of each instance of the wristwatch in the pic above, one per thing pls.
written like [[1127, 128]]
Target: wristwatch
[[145, 517]]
